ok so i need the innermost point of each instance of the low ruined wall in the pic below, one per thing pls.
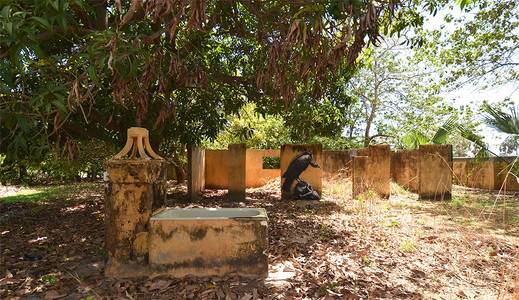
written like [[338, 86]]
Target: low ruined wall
[[256, 175], [489, 174], [404, 168], [337, 162], [475, 174], [507, 183], [435, 172], [459, 171], [377, 169], [217, 168]]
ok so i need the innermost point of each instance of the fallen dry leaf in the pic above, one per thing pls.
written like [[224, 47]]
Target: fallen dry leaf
[[159, 285], [53, 294]]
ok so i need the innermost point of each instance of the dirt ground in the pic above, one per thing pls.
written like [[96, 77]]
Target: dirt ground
[[337, 248]]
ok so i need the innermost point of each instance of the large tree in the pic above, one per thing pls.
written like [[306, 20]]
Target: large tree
[[477, 45], [92, 68]]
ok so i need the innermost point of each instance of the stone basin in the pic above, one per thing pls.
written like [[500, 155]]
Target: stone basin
[[209, 242], [210, 213]]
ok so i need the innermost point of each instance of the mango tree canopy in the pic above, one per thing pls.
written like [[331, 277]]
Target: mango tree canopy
[[92, 68]]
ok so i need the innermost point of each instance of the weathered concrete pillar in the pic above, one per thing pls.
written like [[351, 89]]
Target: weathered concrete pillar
[[359, 175], [196, 172], [378, 169], [312, 175], [435, 172], [237, 171], [136, 186]]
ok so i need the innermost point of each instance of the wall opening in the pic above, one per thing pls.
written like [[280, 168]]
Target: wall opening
[[271, 162]]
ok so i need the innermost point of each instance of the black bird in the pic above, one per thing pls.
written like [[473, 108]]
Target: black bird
[[297, 166]]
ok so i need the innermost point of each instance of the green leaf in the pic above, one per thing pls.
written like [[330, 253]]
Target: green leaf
[[9, 27], [92, 73], [44, 22], [55, 4], [60, 105], [6, 11]]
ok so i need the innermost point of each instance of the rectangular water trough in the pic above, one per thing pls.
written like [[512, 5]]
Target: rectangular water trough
[[209, 242]]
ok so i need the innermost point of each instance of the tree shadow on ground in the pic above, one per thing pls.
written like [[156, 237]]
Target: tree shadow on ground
[[49, 245], [57, 246]]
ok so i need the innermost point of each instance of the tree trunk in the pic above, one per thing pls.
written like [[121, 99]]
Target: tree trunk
[[22, 173], [180, 174], [369, 121]]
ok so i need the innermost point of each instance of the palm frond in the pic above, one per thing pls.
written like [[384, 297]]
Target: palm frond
[[501, 120], [414, 139], [442, 134], [471, 136]]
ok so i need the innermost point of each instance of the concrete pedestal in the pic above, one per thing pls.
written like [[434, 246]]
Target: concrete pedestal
[[237, 172], [136, 188], [209, 242], [196, 172]]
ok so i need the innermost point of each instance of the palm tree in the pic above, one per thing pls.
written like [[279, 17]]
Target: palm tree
[[416, 138], [506, 123], [501, 120]]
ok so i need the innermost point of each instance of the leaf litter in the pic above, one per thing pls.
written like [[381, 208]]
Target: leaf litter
[[338, 248]]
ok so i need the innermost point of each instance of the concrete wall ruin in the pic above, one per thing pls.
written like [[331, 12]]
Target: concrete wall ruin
[[488, 173], [257, 176], [337, 162], [237, 171], [435, 172], [360, 178], [404, 168], [377, 169], [217, 168]]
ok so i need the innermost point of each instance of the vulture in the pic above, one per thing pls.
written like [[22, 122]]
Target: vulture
[[297, 166]]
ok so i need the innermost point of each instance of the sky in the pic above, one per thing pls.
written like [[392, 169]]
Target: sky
[[473, 95]]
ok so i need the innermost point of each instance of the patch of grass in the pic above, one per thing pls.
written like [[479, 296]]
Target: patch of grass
[[41, 194], [407, 245], [386, 206], [371, 194], [400, 203], [49, 279], [367, 261], [366, 196], [339, 189], [420, 221], [457, 202], [32, 195], [329, 286], [326, 232], [393, 223], [398, 189]]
